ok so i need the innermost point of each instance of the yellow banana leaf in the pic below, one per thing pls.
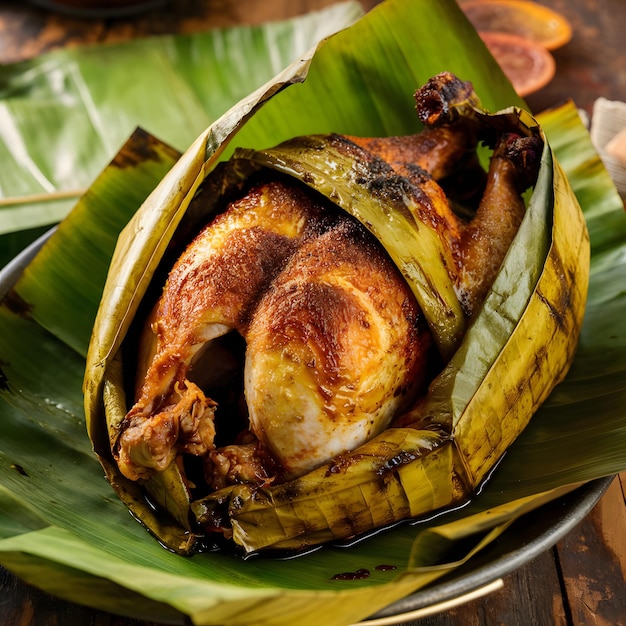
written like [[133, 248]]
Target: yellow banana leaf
[[61, 525]]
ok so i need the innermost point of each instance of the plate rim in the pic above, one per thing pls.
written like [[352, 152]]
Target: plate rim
[[564, 513]]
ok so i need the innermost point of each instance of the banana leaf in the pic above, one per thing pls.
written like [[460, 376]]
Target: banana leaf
[[61, 525], [63, 116]]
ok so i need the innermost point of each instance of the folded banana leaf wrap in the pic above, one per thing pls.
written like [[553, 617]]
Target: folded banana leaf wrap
[[494, 362]]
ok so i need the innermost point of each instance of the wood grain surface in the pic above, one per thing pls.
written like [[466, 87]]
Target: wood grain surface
[[579, 582]]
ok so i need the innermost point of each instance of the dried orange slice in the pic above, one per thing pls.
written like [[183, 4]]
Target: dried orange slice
[[528, 65], [519, 17]]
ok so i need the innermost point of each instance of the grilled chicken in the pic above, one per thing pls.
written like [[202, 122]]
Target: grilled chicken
[[336, 346], [211, 290], [335, 341], [335, 349], [478, 246]]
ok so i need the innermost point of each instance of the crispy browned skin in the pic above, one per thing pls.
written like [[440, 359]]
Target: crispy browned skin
[[333, 333], [437, 151], [335, 349], [487, 238], [209, 292], [480, 245]]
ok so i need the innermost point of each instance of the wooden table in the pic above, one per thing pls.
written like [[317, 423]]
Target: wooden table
[[581, 580]]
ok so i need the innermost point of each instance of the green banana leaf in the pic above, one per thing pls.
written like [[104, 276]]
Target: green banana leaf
[[61, 525], [66, 114]]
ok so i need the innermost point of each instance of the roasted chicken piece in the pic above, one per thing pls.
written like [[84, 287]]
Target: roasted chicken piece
[[479, 245], [211, 290], [335, 349], [336, 344]]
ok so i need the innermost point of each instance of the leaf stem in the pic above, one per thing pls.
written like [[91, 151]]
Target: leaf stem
[[41, 197]]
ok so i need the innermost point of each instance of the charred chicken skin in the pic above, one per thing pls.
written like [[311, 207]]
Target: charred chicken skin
[[336, 344]]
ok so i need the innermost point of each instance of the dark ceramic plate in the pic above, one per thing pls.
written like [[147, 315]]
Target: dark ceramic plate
[[526, 539]]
